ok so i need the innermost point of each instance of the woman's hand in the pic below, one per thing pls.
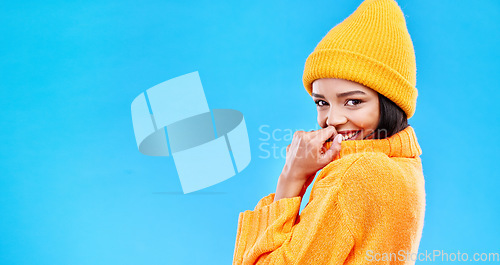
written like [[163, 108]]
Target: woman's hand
[[307, 154], [304, 157]]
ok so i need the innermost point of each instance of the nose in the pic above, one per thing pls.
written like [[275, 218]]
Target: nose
[[335, 118]]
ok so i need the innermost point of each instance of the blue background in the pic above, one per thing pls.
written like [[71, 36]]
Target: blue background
[[74, 189]]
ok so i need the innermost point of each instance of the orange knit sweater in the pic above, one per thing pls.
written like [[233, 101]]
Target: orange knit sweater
[[366, 206]]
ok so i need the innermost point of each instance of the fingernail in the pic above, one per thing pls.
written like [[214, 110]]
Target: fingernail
[[339, 139]]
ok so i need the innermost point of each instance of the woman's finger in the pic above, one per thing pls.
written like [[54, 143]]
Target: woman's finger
[[324, 134], [334, 149]]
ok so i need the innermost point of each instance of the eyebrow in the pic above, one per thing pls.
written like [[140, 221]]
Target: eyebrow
[[345, 94]]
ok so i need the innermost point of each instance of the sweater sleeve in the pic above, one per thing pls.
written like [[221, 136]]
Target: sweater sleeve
[[274, 233], [265, 201]]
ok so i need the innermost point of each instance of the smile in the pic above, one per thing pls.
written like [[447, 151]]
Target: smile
[[350, 136]]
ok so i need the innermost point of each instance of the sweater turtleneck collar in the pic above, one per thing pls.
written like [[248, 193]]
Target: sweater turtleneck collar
[[402, 144]]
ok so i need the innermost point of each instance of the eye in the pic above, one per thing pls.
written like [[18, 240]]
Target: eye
[[356, 101], [320, 103]]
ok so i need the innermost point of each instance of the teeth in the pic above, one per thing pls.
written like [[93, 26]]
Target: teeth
[[345, 137]]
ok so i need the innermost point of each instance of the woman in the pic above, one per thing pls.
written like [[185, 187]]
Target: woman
[[368, 202]]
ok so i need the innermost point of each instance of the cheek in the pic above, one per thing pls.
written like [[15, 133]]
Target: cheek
[[366, 119], [321, 117], [372, 117]]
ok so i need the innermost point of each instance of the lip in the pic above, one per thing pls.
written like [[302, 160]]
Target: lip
[[347, 132]]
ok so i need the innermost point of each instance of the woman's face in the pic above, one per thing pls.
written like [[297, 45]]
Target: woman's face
[[346, 105]]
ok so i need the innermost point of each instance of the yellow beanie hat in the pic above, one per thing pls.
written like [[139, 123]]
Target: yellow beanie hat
[[371, 47]]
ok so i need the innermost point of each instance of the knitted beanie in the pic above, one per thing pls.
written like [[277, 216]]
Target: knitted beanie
[[371, 47]]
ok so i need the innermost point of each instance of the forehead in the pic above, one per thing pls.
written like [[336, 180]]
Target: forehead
[[332, 86]]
